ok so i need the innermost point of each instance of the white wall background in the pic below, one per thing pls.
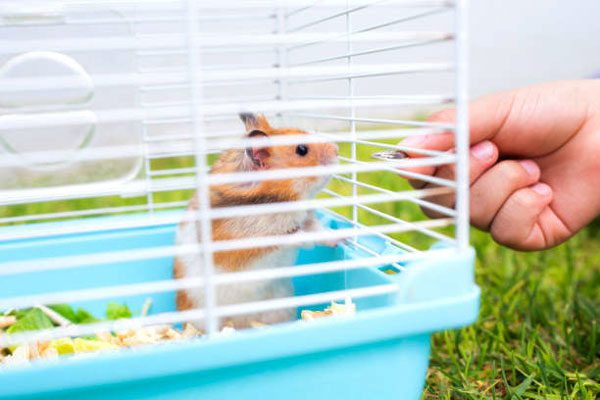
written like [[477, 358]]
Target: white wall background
[[512, 43], [519, 42]]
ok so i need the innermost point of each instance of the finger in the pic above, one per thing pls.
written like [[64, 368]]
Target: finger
[[441, 142], [486, 116], [414, 174], [495, 186], [417, 177], [482, 156], [517, 224], [528, 122]]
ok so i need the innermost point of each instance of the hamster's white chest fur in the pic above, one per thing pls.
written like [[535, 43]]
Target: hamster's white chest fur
[[240, 293]]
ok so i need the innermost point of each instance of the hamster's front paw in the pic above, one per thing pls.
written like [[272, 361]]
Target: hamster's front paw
[[312, 224], [331, 243]]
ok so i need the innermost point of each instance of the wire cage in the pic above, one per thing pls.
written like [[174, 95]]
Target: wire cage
[[114, 114]]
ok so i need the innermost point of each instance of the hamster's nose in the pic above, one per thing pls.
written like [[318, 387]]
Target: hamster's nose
[[336, 149], [331, 153]]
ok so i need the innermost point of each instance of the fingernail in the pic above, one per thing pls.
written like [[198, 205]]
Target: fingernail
[[531, 167], [413, 141], [542, 189], [483, 150]]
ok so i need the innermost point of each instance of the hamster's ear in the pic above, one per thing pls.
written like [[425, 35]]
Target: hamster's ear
[[257, 155], [263, 123], [255, 122]]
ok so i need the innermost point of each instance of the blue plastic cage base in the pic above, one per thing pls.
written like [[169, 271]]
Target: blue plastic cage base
[[380, 353]]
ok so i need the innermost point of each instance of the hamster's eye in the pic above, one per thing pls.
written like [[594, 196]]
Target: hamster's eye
[[301, 150]]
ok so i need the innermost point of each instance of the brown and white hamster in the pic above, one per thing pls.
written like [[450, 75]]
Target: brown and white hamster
[[285, 223]]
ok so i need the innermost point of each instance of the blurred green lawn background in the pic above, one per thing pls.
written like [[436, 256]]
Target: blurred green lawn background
[[537, 335]]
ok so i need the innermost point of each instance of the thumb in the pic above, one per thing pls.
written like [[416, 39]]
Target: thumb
[[440, 141], [487, 117]]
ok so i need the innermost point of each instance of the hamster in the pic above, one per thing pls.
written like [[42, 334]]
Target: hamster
[[285, 223]]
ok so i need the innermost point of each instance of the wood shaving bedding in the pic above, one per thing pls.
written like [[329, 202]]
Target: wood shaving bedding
[[335, 309], [106, 341], [6, 321]]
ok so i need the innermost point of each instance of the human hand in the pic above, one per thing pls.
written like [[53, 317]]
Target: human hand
[[534, 162]]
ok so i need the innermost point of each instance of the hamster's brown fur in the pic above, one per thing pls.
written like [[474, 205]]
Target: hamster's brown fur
[[260, 192]]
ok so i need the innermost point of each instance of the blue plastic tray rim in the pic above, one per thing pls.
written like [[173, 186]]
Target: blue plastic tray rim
[[396, 322]]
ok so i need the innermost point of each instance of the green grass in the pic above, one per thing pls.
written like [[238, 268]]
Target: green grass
[[537, 336], [537, 333]]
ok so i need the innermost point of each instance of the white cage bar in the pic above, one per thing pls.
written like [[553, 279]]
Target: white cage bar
[[328, 67]]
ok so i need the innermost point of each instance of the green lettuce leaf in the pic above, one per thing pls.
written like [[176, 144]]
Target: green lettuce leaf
[[80, 316], [20, 313], [117, 311], [65, 310], [32, 320], [84, 317]]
